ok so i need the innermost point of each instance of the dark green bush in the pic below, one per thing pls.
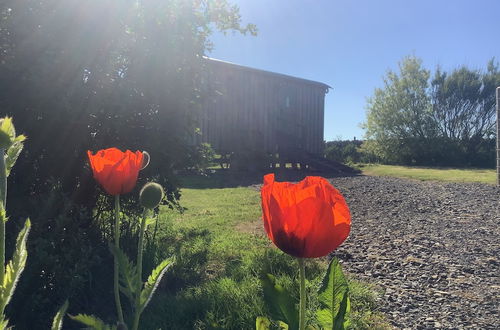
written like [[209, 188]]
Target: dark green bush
[[250, 160], [345, 151], [199, 158], [68, 258]]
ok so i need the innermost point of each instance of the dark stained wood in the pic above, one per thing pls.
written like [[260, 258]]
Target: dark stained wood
[[255, 110]]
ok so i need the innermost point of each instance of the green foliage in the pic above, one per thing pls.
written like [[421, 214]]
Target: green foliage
[[57, 323], [130, 284], [12, 155], [334, 298], [8, 133], [14, 268], [444, 120], [347, 152], [92, 322], [199, 158], [101, 73], [399, 117], [72, 261], [153, 281], [250, 160], [262, 323], [365, 301], [464, 112], [281, 305], [221, 252], [131, 75]]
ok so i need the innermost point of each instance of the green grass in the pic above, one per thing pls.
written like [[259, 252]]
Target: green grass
[[432, 173], [221, 251]]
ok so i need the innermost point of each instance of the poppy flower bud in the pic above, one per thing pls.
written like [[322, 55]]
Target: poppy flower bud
[[8, 133], [151, 195]]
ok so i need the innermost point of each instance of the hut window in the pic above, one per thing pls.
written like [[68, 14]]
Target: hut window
[[287, 102]]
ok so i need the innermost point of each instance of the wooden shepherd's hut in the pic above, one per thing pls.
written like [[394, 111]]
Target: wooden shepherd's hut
[[259, 111]]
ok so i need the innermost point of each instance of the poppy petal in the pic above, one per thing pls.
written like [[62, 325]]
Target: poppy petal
[[308, 219], [116, 171]]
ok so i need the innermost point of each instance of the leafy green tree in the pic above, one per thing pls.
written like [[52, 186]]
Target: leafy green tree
[[446, 120], [399, 123], [464, 108], [92, 74]]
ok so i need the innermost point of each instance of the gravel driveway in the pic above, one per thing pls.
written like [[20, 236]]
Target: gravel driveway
[[433, 247]]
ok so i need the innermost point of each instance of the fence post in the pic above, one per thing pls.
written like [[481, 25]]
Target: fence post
[[498, 136]]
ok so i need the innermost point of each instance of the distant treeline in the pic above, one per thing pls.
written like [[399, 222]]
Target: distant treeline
[[443, 119]]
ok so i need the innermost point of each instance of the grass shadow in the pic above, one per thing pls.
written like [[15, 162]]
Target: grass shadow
[[224, 178]]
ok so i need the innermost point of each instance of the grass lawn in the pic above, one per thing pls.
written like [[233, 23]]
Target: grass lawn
[[221, 252], [428, 173]]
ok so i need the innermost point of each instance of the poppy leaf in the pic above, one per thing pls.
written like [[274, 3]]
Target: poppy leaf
[[130, 284], [341, 322], [58, 319], [333, 296], [15, 267], [153, 282], [12, 154], [279, 302], [92, 322]]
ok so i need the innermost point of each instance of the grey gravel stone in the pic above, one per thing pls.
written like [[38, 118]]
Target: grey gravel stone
[[433, 247]]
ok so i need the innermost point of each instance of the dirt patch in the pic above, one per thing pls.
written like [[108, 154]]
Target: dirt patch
[[255, 227]]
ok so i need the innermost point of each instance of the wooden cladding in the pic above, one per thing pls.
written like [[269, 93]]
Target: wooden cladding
[[250, 109]]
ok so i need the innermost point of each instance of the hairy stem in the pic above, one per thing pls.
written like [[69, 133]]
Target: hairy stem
[[139, 269], [3, 201], [302, 306], [116, 265]]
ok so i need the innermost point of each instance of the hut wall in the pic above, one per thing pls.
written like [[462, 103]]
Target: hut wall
[[249, 109]]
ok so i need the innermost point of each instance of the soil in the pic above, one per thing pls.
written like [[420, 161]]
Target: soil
[[433, 248]]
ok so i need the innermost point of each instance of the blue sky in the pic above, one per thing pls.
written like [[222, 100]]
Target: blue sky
[[350, 44]]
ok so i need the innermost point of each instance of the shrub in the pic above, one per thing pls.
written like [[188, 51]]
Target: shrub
[[68, 259], [346, 151]]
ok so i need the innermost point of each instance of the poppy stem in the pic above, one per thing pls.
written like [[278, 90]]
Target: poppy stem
[[3, 201], [116, 264], [302, 306], [137, 312]]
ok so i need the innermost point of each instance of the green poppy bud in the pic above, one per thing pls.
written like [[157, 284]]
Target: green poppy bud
[[151, 195], [8, 133]]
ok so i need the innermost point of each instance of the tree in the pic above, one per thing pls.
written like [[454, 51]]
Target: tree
[[399, 125], [87, 75], [464, 107], [446, 120]]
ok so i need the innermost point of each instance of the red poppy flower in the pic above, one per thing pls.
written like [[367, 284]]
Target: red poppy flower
[[116, 170], [309, 219]]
